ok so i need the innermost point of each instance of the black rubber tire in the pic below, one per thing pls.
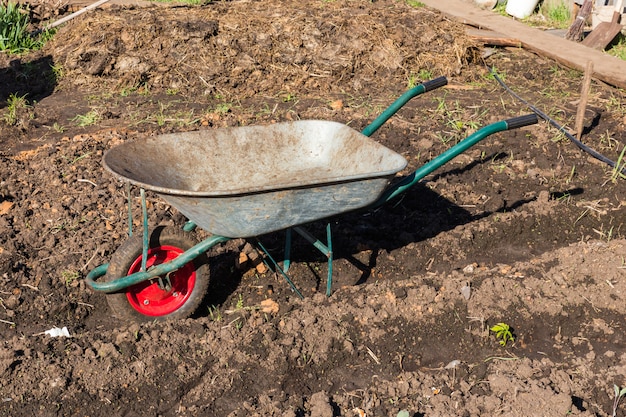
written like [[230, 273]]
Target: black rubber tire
[[131, 251]]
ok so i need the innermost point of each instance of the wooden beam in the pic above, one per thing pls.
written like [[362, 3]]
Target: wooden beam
[[607, 68], [489, 37]]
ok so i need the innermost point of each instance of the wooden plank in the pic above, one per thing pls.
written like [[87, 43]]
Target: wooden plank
[[607, 68], [604, 33], [489, 37]]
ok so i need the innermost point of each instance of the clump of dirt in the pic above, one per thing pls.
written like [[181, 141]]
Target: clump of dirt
[[522, 229]]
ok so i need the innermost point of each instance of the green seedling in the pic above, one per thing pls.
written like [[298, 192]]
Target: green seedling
[[186, 2], [494, 72], [223, 108], [503, 333], [619, 393], [289, 97], [70, 277], [238, 323], [239, 304], [215, 313], [79, 157], [571, 176], [619, 48], [14, 105], [58, 128], [614, 103], [413, 81], [425, 74], [90, 118], [620, 167], [415, 3]]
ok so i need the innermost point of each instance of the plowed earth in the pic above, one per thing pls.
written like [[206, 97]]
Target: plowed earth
[[523, 229]]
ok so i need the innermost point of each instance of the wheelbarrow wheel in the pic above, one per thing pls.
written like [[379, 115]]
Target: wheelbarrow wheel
[[176, 296]]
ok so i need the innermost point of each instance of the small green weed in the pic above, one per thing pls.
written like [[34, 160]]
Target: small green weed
[[620, 167], [501, 9], [56, 73], [187, 2], [238, 323], [558, 15], [215, 313], [553, 15], [222, 108], [14, 105], [289, 97], [503, 333], [239, 304], [58, 128], [422, 75], [619, 48], [70, 278], [615, 105], [425, 74], [90, 118], [127, 91], [619, 393], [571, 177], [415, 3], [79, 157], [493, 72]]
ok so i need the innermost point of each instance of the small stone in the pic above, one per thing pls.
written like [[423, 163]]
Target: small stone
[[336, 105]]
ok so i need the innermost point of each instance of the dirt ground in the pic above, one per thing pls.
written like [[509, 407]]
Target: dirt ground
[[523, 229]]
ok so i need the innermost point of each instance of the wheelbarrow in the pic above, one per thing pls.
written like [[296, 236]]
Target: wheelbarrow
[[244, 182]]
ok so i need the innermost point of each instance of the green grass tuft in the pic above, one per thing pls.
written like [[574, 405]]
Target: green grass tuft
[[15, 37]]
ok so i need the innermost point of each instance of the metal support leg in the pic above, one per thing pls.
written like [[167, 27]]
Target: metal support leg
[[146, 234], [189, 226], [325, 249], [130, 210], [287, 260], [279, 269], [329, 243]]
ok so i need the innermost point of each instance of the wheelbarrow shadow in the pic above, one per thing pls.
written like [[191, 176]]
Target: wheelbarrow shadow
[[416, 216], [33, 80]]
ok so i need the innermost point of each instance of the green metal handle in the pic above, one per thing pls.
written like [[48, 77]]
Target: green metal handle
[[453, 152], [401, 101], [161, 269]]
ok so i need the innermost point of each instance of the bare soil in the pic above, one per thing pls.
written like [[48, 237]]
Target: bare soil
[[528, 223]]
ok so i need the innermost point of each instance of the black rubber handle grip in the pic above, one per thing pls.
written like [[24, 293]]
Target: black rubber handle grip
[[526, 120], [436, 83]]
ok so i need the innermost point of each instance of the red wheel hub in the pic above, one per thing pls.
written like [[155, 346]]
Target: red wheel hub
[[151, 298]]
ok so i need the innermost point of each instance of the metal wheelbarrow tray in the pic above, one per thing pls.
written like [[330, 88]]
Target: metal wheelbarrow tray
[[253, 180], [244, 182]]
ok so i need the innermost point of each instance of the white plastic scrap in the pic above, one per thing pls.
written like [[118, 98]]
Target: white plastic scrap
[[57, 332], [453, 364], [466, 291]]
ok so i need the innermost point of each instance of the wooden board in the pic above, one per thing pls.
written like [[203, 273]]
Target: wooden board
[[604, 33], [607, 68], [489, 37]]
